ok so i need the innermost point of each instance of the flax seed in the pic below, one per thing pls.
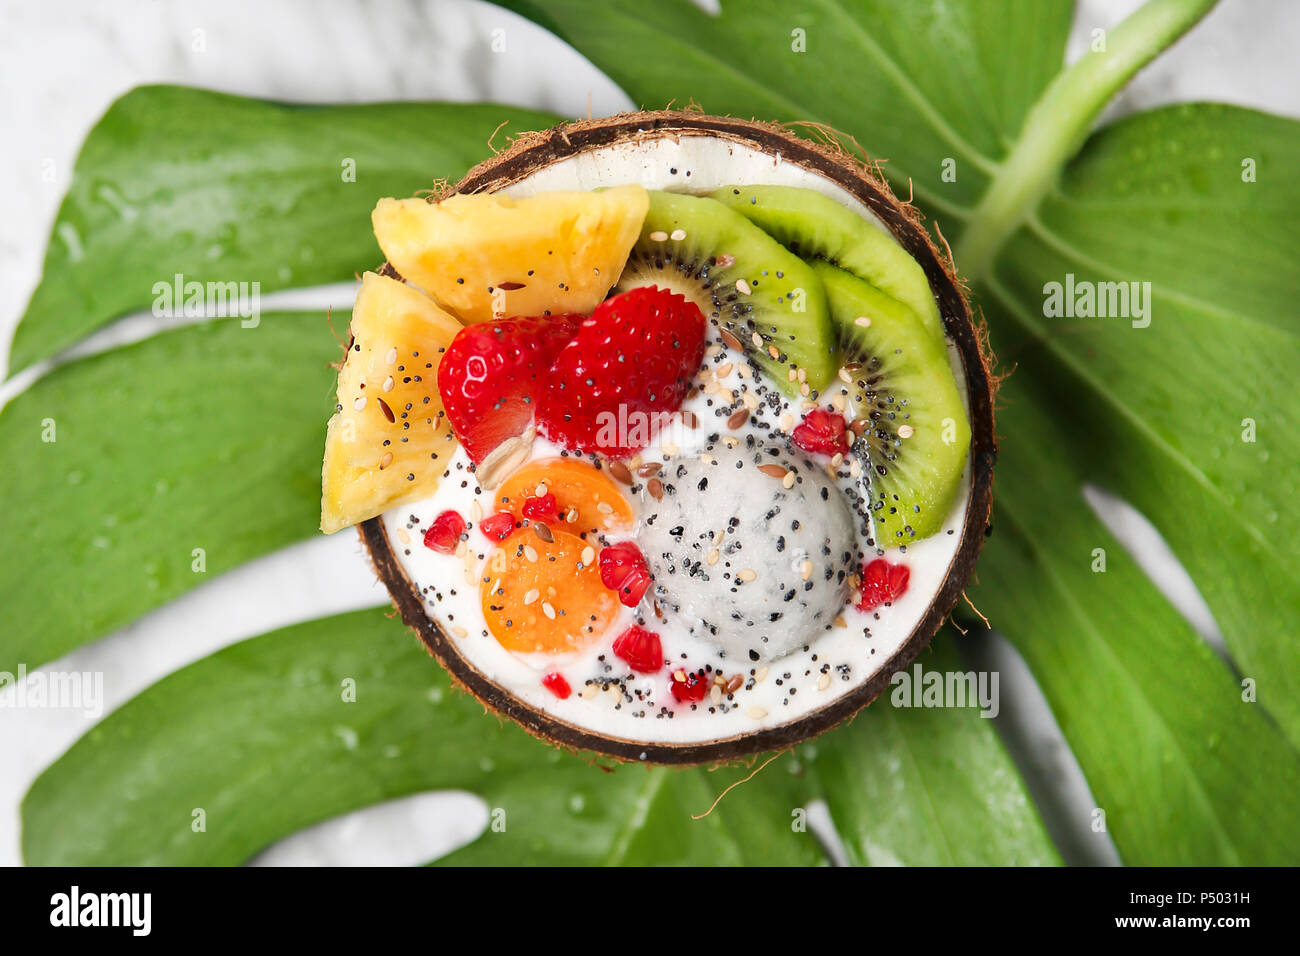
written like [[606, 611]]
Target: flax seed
[[730, 341]]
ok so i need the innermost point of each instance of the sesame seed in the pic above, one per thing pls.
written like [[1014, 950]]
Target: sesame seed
[[386, 460], [360, 403], [388, 384], [679, 675], [708, 459], [749, 574], [906, 431], [791, 374], [744, 371], [669, 449], [590, 691], [530, 552], [757, 713], [725, 369], [805, 389], [658, 236], [548, 610], [806, 570], [787, 422], [572, 516], [855, 468], [713, 557], [392, 356], [531, 596], [862, 322], [788, 480], [540, 490], [726, 261], [750, 400], [757, 340], [604, 507], [718, 536], [760, 675], [404, 536], [475, 510], [588, 555], [460, 631], [824, 682], [838, 459], [841, 622], [677, 235], [844, 375], [743, 287], [837, 403], [774, 352]]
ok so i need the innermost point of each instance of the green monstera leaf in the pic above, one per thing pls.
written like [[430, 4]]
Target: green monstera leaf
[[1182, 221], [278, 732], [1191, 204], [220, 188]]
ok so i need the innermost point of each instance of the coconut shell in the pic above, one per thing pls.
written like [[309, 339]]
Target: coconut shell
[[533, 151]]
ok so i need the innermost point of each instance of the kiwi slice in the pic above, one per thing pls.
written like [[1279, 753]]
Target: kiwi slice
[[914, 435], [814, 225], [743, 280]]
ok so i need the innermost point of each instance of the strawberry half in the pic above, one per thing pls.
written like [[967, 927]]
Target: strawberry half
[[492, 374], [627, 369]]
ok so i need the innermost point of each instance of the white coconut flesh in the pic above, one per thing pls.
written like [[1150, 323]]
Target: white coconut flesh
[[804, 665]]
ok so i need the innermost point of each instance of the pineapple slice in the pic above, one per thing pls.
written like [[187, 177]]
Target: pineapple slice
[[486, 255], [388, 442]]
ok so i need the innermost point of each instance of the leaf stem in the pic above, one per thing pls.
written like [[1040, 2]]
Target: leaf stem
[[1060, 121]]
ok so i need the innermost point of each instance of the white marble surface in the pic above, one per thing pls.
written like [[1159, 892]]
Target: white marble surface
[[62, 63]]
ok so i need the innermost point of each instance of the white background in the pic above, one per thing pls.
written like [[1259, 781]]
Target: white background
[[62, 63]]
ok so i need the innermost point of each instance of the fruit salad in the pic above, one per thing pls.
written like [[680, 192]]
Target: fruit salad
[[671, 460]]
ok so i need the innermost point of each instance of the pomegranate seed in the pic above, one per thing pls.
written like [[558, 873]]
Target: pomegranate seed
[[691, 690], [539, 509], [821, 433], [499, 526], [617, 563], [634, 586], [882, 583], [641, 649], [557, 685], [444, 534]]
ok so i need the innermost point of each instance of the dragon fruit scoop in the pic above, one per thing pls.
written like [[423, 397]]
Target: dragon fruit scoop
[[744, 556]]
